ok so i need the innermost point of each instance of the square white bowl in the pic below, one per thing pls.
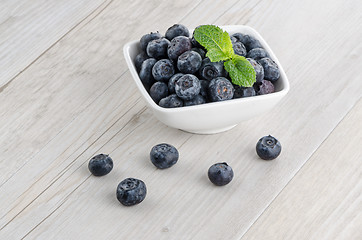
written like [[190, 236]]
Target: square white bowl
[[214, 117]]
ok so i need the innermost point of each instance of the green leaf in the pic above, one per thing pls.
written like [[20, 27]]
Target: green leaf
[[216, 41], [242, 73]]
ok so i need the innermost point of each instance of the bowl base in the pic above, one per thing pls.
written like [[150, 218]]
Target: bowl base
[[209, 131]]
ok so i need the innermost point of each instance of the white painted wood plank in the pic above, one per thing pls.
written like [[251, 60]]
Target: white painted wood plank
[[324, 200], [29, 28], [66, 210]]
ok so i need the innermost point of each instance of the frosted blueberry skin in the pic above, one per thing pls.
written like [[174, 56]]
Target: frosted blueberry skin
[[158, 91], [164, 155], [145, 39], [271, 69], [100, 165], [189, 62], [177, 30], [187, 87], [199, 51], [220, 89], [195, 101], [210, 70], [268, 148], [264, 87], [242, 92], [131, 191], [163, 70], [146, 72], [220, 174], [257, 53], [139, 60], [204, 89], [177, 46], [158, 48], [239, 48], [249, 41], [259, 70], [172, 81], [171, 101]]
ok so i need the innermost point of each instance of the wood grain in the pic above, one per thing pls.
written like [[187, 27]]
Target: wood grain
[[29, 28], [324, 200], [52, 195]]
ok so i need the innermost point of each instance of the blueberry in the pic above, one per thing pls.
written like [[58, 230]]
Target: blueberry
[[220, 89], [195, 101], [199, 51], [187, 87], [241, 92], [177, 46], [257, 53], [172, 82], [250, 42], [131, 191], [264, 87], [204, 89], [100, 165], [189, 62], [164, 155], [239, 48], [210, 70], [220, 174], [237, 37], [145, 39], [177, 30], [158, 91], [271, 69], [259, 70], [268, 148], [163, 70], [158, 48], [139, 60], [234, 40], [146, 72], [171, 101]]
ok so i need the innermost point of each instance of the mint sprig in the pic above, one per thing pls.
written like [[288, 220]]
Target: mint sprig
[[219, 48]]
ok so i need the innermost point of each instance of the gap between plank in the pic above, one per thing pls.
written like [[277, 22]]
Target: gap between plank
[[2, 88], [311, 155]]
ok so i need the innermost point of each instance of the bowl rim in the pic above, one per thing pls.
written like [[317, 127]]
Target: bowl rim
[[156, 107]]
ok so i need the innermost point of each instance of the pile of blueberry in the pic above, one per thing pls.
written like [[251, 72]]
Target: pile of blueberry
[[174, 70], [132, 191]]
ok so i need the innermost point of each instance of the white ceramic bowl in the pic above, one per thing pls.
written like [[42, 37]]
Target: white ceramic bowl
[[212, 117]]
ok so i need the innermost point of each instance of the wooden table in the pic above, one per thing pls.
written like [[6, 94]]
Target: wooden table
[[66, 94]]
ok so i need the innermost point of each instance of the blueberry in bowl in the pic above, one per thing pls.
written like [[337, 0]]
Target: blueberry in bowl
[[193, 107]]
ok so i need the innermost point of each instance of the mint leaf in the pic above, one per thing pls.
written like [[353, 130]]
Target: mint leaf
[[216, 41], [242, 73]]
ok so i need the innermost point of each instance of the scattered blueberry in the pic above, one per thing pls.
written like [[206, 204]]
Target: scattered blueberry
[[264, 87], [199, 51], [187, 87], [220, 89], [171, 101], [158, 91], [146, 72], [139, 60], [189, 62], [250, 42], [220, 174], [158, 48], [100, 165], [271, 69], [241, 92], [164, 155], [268, 148], [239, 48], [259, 70], [210, 70], [163, 70], [195, 101], [257, 53], [145, 39], [131, 191], [177, 46], [177, 30], [172, 81]]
